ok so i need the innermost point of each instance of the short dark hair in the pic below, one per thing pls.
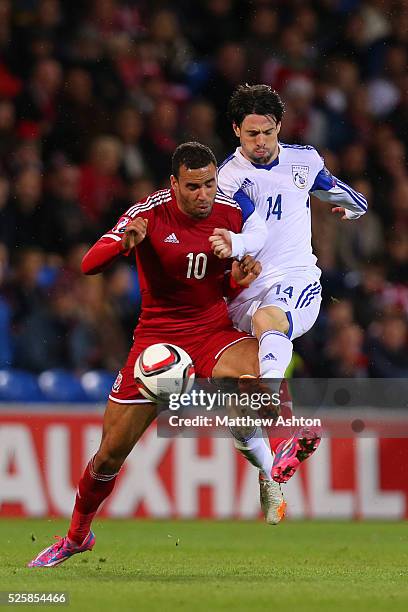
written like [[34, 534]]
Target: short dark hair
[[255, 100], [192, 155]]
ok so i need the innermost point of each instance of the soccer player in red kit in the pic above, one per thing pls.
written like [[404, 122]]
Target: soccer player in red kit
[[182, 286]]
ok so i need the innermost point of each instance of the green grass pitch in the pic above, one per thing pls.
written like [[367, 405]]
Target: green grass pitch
[[196, 566]]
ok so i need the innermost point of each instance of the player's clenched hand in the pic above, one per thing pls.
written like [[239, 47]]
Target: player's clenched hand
[[347, 215], [221, 243], [341, 211], [134, 233], [244, 272]]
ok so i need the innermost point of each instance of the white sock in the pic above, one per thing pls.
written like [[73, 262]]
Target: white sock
[[275, 353], [257, 452]]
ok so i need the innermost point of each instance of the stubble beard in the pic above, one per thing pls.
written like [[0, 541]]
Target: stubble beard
[[202, 215], [264, 161]]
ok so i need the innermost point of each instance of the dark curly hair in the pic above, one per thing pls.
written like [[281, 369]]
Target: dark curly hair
[[255, 100], [192, 155]]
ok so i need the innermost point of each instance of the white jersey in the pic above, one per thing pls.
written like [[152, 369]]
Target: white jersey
[[280, 192]]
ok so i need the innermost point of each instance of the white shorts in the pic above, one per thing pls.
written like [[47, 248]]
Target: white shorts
[[298, 294]]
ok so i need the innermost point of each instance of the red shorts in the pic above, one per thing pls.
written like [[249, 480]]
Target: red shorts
[[204, 350]]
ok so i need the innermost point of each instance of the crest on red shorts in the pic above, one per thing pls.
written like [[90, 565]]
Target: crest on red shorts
[[117, 383]]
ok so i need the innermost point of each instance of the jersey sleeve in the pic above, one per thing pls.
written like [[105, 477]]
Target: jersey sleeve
[[109, 247], [231, 289], [330, 189], [253, 235], [103, 253], [228, 180], [118, 229]]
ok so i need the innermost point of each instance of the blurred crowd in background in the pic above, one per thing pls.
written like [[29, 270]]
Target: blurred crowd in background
[[95, 96]]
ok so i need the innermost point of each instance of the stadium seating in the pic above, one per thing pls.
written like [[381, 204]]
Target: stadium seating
[[97, 384], [58, 385], [19, 386]]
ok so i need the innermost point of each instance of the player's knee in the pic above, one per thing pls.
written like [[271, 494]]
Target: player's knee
[[270, 318]]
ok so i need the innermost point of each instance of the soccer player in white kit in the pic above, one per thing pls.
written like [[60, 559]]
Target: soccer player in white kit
[[284, 302]]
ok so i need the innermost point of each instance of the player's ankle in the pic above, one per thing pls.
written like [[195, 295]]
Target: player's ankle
[[75, 539]]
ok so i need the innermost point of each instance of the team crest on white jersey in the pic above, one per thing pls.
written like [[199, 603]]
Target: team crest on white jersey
[[300, 174]]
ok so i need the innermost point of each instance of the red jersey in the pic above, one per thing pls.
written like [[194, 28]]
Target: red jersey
[[181, 279]]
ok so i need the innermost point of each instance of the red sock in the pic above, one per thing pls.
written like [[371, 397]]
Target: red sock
[[286, 406], [92, 490]]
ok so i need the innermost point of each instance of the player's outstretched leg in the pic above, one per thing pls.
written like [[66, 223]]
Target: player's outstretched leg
[[244, 356], [271, 326], [123, 426], [257, 451], [93, 489]]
